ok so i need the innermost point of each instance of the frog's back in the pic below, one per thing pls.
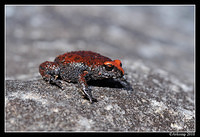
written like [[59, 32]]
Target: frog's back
[[89, 58]]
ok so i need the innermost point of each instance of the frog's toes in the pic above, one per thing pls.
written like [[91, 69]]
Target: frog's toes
[[91, 99], [59, 83]]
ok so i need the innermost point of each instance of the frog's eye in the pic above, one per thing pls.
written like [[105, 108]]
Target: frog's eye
[[109, 67]]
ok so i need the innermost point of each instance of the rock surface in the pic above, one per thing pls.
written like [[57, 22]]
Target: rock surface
[[155, 45]]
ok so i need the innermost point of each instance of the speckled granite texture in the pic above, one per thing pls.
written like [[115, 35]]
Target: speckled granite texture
[[154, 43]]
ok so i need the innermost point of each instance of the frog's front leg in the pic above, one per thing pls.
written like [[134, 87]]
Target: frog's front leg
[[50, 72], [85, 89]]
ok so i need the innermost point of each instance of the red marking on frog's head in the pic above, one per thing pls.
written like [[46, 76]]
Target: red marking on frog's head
[[111, 64]]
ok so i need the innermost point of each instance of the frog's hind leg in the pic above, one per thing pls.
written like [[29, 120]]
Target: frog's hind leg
[[50, 72]]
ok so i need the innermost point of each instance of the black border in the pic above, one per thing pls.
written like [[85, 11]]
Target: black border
[[58, 2]]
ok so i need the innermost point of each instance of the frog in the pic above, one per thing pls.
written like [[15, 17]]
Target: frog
[[81, 67]]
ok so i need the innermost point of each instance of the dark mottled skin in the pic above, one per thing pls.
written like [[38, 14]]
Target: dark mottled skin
[[82, 66]]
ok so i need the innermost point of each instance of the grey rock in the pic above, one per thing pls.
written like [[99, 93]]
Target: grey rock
[[157, 103], [155, 45]]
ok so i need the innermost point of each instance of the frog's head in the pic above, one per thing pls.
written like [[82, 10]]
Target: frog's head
[[111, 69]]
